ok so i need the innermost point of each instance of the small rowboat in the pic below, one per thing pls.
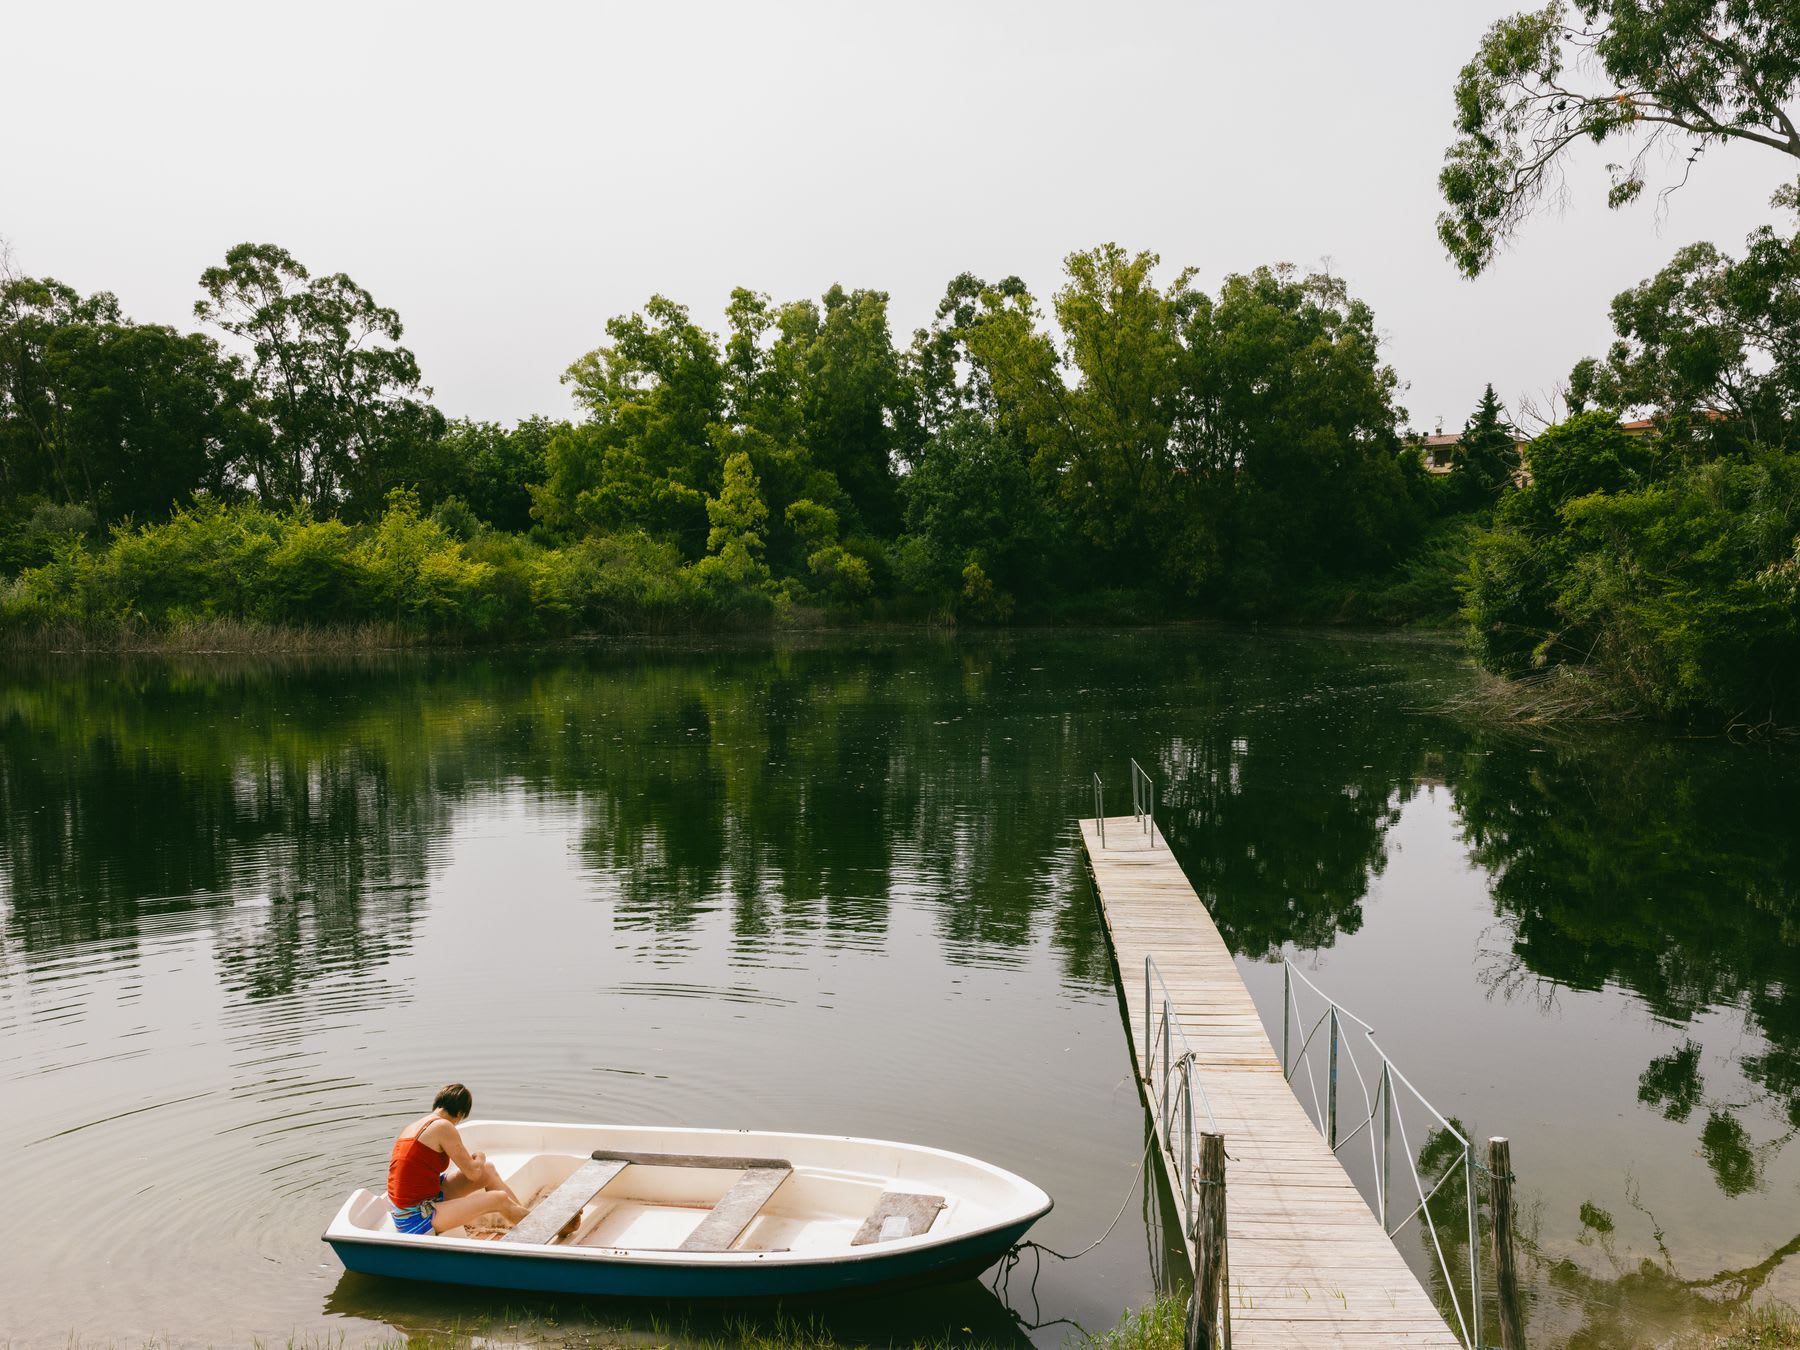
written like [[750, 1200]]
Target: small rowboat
[[684, 1213]]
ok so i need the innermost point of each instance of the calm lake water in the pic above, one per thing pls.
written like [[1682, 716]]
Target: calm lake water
[[252, 916]]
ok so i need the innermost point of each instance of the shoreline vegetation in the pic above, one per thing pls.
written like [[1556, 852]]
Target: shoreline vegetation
[[1133, 463]]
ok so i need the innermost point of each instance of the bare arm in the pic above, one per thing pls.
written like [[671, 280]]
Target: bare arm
[[443, 1136]]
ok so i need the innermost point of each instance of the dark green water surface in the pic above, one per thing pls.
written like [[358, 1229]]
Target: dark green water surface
[[252, 915]]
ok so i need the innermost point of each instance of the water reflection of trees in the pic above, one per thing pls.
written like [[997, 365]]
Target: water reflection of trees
[[807, 790], [1672, 870], [129, 799], [799, 790], [1279, 803]]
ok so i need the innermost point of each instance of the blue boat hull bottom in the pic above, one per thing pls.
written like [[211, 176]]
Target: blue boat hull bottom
[[543, 1273]]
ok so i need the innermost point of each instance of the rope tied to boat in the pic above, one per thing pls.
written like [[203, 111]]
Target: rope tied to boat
[[1016, 1253]]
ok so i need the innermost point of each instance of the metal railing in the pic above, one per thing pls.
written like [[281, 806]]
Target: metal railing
[[1100, 809], [1143, 800], [1342, 1029], [1181, 1111]]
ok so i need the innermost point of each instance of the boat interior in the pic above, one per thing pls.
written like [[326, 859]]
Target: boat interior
[[693, 1203]]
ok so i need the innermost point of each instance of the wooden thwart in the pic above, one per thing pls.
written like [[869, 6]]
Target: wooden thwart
[[722, 1162], [761, 1178], [559, 1209], [736, 1208], [919, 1212]]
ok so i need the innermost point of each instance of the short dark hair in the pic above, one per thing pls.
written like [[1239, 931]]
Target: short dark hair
[[455, 1099]]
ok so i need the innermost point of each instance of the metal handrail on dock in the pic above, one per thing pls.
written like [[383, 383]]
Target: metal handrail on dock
[[1143, 801], [1335, 1020], [1174, 1090]]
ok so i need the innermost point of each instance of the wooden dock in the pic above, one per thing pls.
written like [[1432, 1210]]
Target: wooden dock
[[1309, 1264]]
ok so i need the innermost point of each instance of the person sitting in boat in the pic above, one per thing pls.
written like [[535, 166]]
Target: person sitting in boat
[[434, 1182]]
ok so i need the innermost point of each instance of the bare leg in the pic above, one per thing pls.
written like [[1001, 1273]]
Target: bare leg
[[472, 1205], [487, 1178], [490, 1177]]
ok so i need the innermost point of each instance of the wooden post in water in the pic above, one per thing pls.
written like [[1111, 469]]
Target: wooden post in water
[[1506, 1275], [1210, 1272]]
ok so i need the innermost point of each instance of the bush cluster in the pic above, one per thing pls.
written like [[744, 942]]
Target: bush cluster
[[404, 569], [1666, 571]]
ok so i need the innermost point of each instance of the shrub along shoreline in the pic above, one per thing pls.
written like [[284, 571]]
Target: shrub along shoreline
[[216, 577]]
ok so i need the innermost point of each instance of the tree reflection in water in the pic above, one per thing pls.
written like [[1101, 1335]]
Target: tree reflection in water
[[805, 789], [1671, 870]]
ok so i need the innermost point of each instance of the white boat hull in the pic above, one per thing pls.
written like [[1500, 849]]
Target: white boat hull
[[628, 1240]]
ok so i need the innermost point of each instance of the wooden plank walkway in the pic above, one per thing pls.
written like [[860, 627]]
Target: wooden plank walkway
[[1309, 1264]]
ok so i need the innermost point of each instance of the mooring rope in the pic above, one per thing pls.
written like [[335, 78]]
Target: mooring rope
[[1002, 1285]]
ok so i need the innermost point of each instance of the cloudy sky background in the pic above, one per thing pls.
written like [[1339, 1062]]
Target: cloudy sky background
[[508, 176]]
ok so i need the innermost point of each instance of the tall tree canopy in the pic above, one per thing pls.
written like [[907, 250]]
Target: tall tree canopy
[[344, 399], [1192, 439], [126, 419], [1687, 75], [1710, 339], [849, 389], [643, 459]]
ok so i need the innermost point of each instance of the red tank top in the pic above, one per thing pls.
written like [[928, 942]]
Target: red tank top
[[415, 1172]]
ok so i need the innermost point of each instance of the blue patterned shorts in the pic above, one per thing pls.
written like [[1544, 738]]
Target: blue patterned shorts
[[415, 1220]]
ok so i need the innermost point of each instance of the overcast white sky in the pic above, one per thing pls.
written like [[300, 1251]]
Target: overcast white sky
[[509, 175]]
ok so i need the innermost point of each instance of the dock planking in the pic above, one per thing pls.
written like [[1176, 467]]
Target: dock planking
[[1309, 1264]]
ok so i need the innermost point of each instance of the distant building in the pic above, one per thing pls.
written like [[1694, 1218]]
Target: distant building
[[1439, 450]]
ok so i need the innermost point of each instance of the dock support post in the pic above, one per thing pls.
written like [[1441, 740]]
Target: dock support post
[[1209, 1303], [1506, 1274], [1331, 1086]]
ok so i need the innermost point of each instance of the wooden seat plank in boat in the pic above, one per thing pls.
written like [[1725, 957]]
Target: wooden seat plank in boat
[[721, 1161], [918, 1211], [549, 1216], [736, 1208]]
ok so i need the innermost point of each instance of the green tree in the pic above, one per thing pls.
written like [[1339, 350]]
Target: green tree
[[128, 419], [733, 568], [494, 468], [344, 399], [1485, 461], [838, 364], [32, 312], [1588, 453], [1711, 342], [971, 500], [1516, 568], [412, 568], [1654, 575], [1681, 76], [644, 459], [1104, 446], [1290, 421], [738, 514], [1222, 448], [945, 378]]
